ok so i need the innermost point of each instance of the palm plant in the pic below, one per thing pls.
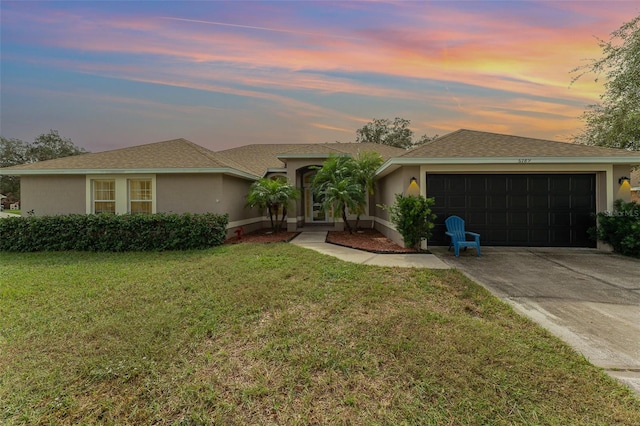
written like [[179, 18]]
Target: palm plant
[[337, 184], [366, 164], [274, 195]]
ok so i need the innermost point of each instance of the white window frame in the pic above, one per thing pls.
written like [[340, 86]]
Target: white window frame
[[95, 199], [131, 200], [123, 205]]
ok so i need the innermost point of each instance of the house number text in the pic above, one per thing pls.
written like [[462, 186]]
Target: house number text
[[524, 160]]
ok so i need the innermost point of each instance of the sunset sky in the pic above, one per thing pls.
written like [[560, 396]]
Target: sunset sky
[[110, 74]]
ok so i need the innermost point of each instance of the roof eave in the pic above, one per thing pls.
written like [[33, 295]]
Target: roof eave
[[275, 170], [394, 163], [311, 156], [49, 172]]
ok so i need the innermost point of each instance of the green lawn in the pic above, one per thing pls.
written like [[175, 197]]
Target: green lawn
[[275, 334]]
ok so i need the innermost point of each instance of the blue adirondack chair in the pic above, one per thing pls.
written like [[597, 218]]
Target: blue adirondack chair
[[455, 230]]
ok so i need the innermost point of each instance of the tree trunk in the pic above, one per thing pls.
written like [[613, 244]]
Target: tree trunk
[[284, 215], [276, 228], [344, 219], [271, 217]]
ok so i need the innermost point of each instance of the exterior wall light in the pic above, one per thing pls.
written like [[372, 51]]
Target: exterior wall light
[[624, 191], [413, 189]]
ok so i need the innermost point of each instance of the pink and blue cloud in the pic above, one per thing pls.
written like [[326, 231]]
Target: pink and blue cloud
[[111, 74]]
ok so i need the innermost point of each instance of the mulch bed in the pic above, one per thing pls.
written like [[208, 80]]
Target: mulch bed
[[263, 236], [369, 240]]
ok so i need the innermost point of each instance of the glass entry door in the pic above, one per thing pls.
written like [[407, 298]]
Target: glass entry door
[[314, 213], [318, 213]]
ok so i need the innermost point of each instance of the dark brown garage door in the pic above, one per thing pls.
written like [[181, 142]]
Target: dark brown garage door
[[517, 210]]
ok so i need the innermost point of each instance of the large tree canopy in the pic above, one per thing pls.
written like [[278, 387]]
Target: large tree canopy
[[51, 145], [615, 120], [394, 133], [14, 152]]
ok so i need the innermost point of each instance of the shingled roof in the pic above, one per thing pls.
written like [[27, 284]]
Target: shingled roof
[[251, 161], [465, 143], [257, 159], [171, 154], [181, 154]]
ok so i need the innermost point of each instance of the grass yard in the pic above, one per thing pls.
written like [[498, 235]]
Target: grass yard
[[276, 334]]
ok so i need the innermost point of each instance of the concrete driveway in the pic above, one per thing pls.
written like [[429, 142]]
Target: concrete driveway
[[588, 298]]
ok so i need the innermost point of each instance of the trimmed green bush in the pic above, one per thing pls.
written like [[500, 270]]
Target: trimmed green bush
[[113, 233], [621, 228], [413, 218]]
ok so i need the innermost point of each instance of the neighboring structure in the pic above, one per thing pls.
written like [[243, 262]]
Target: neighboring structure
[[512, 190]]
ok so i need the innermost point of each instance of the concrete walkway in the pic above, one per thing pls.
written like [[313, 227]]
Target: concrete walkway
[[316, 241], [588, 298]]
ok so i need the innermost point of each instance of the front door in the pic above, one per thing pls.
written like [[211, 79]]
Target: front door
[[313, 210]]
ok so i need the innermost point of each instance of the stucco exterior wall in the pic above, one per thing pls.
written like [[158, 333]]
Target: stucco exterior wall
[[234, 196], [387, 187], [52, 195], [189, 193], [208, 193]]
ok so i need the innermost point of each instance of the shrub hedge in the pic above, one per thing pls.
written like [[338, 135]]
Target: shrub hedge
[[621, 228], [113, 233]]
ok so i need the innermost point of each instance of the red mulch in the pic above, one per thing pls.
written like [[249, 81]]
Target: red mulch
[[263, 236], [363, 239]]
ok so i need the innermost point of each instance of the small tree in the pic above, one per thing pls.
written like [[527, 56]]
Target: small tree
[[366, 164], [274, 195], [338, 185], [413, 218]]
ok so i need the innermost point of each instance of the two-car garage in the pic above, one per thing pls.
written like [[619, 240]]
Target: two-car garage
[[512, 190], [544, 210]]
